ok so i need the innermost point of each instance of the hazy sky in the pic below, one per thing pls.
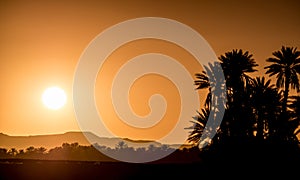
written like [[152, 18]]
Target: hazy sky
[[41, 42]]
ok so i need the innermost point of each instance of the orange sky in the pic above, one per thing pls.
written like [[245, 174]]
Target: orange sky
[[41, 42]]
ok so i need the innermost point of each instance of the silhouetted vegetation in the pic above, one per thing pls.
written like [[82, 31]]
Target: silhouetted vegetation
[[261, 121], [76, 152]]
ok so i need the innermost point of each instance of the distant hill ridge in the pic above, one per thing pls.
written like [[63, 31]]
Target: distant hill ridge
[[56, 140]]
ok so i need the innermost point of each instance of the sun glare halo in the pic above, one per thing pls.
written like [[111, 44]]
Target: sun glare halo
[[54, 98]]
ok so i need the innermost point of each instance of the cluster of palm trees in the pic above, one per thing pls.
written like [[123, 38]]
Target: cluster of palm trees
[[255, 109]]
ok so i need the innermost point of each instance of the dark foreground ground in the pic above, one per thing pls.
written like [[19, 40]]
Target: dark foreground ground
[[237, 169]]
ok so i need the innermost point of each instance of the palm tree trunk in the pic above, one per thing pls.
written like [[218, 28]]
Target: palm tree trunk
[[260, 125], [284, 115], [285, 95]]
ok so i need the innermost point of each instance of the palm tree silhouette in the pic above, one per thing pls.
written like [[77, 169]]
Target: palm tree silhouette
[[259, 121], [202, 82], [236, 66], [197, 129], [286, 65], [211, 79], [214, 106], [265, 104]]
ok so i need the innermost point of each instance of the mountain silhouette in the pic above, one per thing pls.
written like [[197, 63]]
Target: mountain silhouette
[[56, 140]]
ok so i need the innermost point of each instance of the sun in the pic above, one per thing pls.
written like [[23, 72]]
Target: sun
[[54, 98]]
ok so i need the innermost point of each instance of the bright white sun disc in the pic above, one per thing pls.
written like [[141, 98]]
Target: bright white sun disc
[[54, 98]]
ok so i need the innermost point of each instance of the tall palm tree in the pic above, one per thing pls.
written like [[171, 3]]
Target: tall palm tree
[[213, 80], [265, 103], [286, 65], [236, 66]]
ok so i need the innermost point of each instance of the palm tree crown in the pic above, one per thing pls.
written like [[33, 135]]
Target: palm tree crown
[[286, 65], [235, 65]]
